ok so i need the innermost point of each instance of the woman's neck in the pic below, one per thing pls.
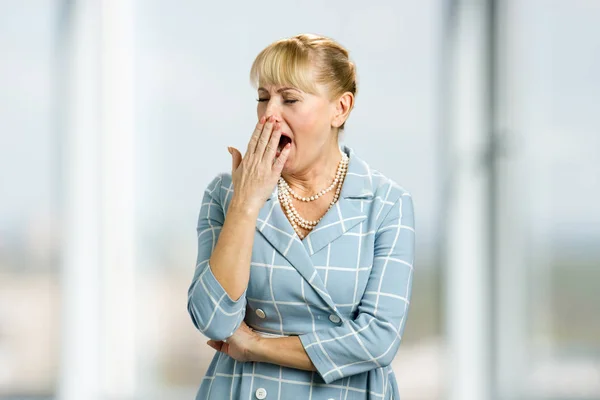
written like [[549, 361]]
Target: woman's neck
[[318, 175]]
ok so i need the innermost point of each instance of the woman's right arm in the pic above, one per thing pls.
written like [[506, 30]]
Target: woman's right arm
[[230, 259], [215, 301], [216, 297]]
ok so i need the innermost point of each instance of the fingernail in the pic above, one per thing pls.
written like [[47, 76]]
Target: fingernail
[[262, 119], [229, 149]]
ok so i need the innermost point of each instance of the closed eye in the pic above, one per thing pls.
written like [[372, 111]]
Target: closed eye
[[285, 101]]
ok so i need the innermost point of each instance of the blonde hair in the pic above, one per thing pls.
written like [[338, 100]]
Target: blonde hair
[[288, 62]]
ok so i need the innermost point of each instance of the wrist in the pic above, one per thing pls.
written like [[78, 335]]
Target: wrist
[[258, 349], [243, 208]]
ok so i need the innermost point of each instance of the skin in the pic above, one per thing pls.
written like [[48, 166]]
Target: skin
[[312, 121]]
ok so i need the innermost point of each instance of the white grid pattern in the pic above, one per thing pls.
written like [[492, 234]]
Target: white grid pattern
[[355, 267], [345, 387]]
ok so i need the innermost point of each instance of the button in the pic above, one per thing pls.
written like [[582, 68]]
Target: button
[[334, 318], [260, 313], [261, 393]]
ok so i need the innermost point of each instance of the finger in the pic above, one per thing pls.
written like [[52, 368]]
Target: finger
[[215, 344], [255, 135], [283, 156], [236, 158], [271, 148], [261, 144]]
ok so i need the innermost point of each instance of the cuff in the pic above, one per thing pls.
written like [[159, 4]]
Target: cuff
[[317, 355]]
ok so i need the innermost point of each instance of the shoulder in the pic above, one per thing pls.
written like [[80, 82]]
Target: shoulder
[[390, 200], [375, 183], [219, 185], [387, 189]]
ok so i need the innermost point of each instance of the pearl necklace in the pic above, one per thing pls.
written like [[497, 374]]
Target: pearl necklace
[[343, 163], [286, 200]]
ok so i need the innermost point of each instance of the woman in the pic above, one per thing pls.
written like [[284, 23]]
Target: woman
[[305, 253]]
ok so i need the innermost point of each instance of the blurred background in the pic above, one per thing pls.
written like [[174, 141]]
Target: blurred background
[[115, 115]]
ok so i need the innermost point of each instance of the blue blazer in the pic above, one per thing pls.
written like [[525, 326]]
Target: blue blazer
[[344, 290]]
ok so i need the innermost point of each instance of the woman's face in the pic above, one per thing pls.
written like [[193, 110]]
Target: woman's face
[[305, 118]]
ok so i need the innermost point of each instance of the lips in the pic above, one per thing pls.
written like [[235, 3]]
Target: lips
[[283, 140]]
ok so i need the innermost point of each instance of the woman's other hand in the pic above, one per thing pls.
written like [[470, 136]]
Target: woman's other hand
[[256, 173], [239, 346]]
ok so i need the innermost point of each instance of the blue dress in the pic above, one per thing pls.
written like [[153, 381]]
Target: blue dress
[[344, 290]]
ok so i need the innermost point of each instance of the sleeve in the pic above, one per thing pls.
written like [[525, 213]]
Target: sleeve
[[372, 339], [213, 311]]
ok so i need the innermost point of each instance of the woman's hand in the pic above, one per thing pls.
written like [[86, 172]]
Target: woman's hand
[[255, 175], [239, 346]]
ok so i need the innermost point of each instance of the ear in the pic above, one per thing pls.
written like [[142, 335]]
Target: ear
[[343, 106]]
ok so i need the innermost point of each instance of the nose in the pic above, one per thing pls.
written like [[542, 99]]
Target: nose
[[273, 110]]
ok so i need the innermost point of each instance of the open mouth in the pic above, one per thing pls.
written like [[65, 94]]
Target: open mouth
[[283, 140]]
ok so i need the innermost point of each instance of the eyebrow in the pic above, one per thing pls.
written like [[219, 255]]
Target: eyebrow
[[283, 89]]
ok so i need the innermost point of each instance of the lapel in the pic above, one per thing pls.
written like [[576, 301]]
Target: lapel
[[344, 215]]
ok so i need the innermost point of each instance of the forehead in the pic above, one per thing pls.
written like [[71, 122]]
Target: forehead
[[278, 88]]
